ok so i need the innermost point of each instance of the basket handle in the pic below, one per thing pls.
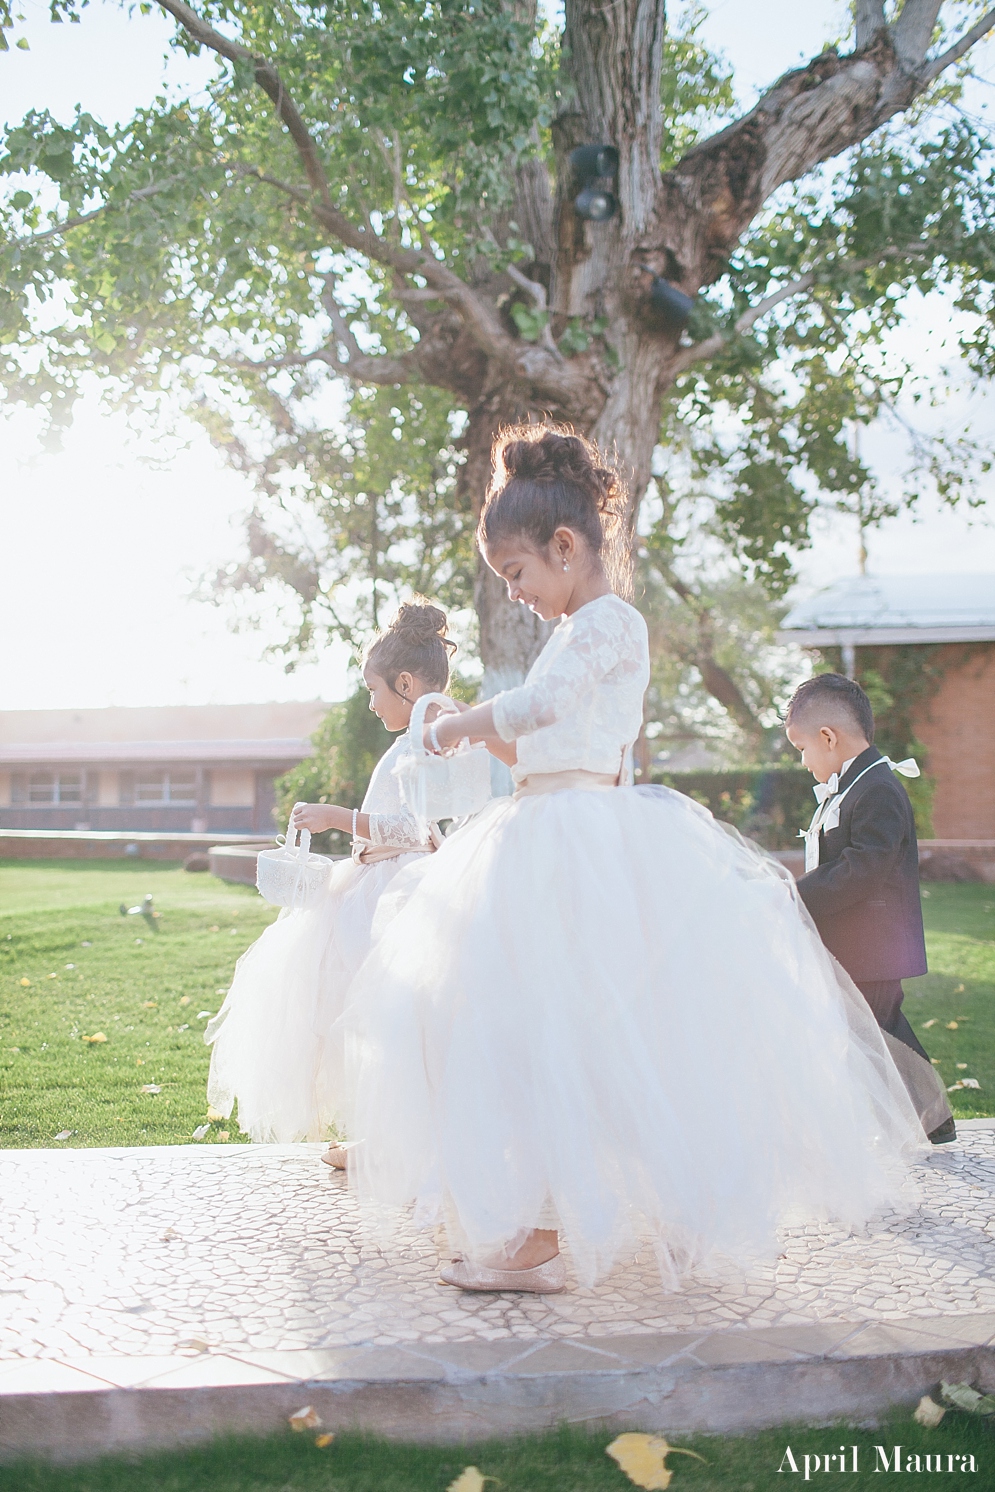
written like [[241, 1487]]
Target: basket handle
[[416, 728], [290, 840]]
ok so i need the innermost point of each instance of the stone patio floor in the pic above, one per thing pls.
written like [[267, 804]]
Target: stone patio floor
[[206, 1265]]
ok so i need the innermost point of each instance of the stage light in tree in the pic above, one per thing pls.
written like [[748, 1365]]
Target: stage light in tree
[[590, 161], [673, 305], [594, 168], [595, 204]]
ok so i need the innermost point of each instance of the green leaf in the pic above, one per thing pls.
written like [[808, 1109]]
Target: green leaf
[[529, 321]]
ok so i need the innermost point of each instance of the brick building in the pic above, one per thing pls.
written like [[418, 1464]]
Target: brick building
[[179, 769], [954, 617]]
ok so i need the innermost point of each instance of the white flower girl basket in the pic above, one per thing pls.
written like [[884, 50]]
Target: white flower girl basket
[[442, 787], [290, 876]]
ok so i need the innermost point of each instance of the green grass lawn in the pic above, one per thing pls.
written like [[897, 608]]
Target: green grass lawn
[[91, 971], [570, 1460], [958, 990]]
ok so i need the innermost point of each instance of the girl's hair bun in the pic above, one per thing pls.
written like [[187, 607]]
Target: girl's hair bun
[[546, 476], [415, 643], [420, 621]]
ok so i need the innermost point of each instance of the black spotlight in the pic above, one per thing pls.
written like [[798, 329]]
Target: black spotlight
[[595, 204], [588, 161], [674, 306], [591, 164]]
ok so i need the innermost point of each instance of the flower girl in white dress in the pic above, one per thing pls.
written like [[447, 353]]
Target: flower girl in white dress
[[274, 1049], [596, 1012]]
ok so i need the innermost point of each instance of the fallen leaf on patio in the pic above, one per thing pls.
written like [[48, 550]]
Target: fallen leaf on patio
[[213, 1114], [169, 1235], [151, 1088], [192, 1344], [304, 1419], [96, 1039], [25, 983], [201, 1131], [321, 1441], [926, 1024], [150, 1005], [643, 1458], [963, 1396], [951, 1025], [961, 1066], [928, 1413], [470, 1480], [65, 1134], [184, 999]]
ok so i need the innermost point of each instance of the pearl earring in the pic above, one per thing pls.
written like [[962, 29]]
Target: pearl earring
[[565, 565]]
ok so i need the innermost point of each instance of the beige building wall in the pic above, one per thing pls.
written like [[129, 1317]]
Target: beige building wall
[[232, 788], [292, 719], [108, 789], [4, 789]]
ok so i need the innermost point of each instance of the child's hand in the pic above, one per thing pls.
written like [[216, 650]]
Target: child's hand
[[317, 817]]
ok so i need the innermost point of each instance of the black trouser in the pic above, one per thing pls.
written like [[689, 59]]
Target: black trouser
[[885, 996]]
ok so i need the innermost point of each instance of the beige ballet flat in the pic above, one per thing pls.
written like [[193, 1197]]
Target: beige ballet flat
[[336, 1156], [545, 1279]]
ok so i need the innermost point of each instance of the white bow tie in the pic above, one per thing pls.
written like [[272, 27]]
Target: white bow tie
[[823, 790]]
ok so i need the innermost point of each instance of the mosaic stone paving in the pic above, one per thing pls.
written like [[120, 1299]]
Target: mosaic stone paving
[[161, 1250]]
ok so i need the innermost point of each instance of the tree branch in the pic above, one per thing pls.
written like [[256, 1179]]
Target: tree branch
[[953, 54], [88, 217], [869, 21], [538, 294], [912, 31], [713, 345], [551, 375]]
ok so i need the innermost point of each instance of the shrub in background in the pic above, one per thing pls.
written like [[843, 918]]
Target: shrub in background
[[768, 804]]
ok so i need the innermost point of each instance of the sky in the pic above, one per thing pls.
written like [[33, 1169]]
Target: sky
[[101, 550]]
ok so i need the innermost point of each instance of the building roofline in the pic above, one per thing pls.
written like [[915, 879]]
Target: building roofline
[[865, 637], [119, 753]]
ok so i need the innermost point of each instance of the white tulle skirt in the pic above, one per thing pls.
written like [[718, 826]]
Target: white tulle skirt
[[605, 1013], [277, 1051]]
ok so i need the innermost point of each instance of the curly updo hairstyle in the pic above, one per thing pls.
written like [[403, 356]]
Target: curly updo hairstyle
[[545, 477], [415, 642]]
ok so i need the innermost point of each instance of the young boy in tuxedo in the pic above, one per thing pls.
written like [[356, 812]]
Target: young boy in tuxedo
[[861, 881]]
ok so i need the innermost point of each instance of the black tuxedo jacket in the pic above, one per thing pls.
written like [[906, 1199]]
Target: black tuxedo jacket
[[864, 896]]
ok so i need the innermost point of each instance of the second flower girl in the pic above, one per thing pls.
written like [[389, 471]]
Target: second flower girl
[[274, 1051]]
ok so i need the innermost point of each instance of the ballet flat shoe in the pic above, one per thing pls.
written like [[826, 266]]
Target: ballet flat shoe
[[546, 1279]]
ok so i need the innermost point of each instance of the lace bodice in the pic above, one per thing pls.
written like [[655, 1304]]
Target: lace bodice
[[582, 702], [390, 822]]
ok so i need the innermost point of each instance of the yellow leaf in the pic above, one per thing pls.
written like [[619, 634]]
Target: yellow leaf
[[214, 1116], [184, 999], [223, 1134], [951, 1025], [928, 1413], [961, 1066], [959, 990], [150, 1005], [643, 1458], [25, 983], [95, 1039], [470, 1480], [304, 1419], [322, 1440], [926, 1024]]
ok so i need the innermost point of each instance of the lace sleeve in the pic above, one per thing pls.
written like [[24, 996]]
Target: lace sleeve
[[398, 830], [603, 640]]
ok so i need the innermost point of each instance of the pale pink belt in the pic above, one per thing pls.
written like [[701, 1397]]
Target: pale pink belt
[[560, 782], [364, 853]]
